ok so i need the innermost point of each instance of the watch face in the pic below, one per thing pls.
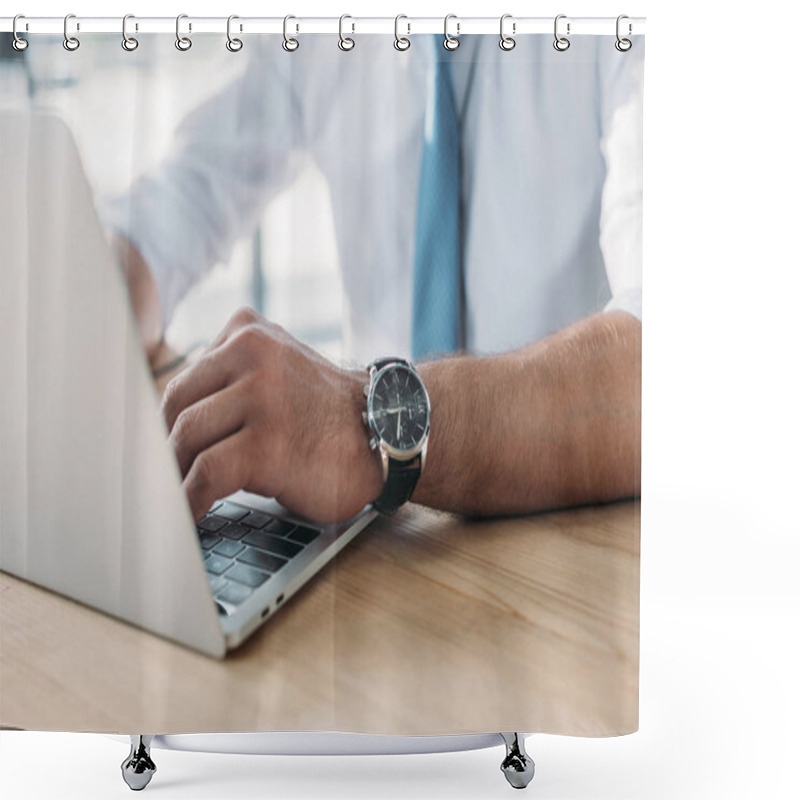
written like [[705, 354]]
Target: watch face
[[399, 408]]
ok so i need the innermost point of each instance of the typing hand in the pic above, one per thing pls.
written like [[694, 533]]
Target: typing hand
[[260, 411]]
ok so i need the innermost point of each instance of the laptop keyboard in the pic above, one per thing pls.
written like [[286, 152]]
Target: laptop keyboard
[[243, 549]]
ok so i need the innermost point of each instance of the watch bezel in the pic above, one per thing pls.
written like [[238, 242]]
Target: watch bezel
[[394, 452]]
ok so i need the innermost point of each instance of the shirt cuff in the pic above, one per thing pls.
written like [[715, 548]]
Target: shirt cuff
[[149, 230]]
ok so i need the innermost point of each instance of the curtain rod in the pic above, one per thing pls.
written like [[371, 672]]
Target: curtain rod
[[515, 26]]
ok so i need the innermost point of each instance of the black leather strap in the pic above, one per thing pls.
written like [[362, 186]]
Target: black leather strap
[[400, 484], [380, 363]]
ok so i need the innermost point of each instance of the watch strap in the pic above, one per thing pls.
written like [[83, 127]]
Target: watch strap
[[380, 363], [400, 484]]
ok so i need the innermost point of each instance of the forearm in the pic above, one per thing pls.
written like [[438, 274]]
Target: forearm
[[142, 292], [554, 424]]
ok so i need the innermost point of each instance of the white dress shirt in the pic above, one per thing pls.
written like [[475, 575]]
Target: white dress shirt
[[551, 147]]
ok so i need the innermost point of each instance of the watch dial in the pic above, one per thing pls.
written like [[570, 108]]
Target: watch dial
[[400, 408]]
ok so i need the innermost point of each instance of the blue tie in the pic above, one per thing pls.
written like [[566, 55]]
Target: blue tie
[[436, 323]]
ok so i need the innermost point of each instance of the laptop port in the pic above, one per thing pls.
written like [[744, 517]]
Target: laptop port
[[265, 612], [279, 600]]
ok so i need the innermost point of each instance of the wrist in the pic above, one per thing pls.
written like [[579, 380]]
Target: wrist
[[143, 295], [443, 463], [364, 468]]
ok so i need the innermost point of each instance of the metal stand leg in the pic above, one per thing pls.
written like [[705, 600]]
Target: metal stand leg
[[138, 768], [517, 766]]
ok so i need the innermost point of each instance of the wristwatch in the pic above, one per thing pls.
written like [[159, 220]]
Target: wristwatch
[[398, 417]]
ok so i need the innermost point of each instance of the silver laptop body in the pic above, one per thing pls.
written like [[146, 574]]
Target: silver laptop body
[[91, 503]]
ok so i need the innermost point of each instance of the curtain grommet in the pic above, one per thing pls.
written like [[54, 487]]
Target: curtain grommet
[[71, 43], [289, 44], [401, 43], [129, 43], [451, 42], [233, 44], [183, 43], [561, 43], [18, 43], [346, 43], [623, 44], [507, 43]]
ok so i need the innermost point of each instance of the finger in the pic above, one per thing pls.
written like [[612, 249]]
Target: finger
[[217, 472], [240, 318], [206, 422], [208, 375]]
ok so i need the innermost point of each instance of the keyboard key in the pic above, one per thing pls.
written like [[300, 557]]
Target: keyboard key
[[216, 582], [211, 523], [255, 519], [215, 507], [246, 575], [234, 531], [235, 593], [232, 512], [208, 540], [280, 527], [273, 544], [260, 559], [229, 548], [257, 539], [216, 565], [303, 535]]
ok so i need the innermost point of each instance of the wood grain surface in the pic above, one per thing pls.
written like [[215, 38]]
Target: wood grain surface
[[425, 624]]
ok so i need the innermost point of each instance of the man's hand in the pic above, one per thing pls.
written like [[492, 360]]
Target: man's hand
[[554, 424], [262, 412]]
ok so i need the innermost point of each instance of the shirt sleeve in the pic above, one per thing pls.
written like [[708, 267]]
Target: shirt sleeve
[[229, 156], [621, 204]]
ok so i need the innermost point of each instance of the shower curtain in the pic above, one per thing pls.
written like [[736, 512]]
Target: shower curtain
[[472, 209]]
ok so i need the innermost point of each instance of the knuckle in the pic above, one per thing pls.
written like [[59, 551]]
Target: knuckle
[[169, 402], [276, 331], [252, 341], [183, 427], [245, 316]]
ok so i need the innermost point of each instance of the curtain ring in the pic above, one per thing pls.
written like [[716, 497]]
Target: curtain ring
[[289, 44], [233, 44], [507, 42], [401, 43], [623, 45], [451, 42], [561, 43], [128, 42], [18, 43], [183, 43], [71, 43], [346, 42]]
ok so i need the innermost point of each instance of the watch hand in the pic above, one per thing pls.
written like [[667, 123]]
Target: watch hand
[[399, 417]]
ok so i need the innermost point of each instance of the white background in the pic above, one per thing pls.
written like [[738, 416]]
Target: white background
[[720, 703]]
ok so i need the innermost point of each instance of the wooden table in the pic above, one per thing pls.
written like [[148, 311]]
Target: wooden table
[[425, 624]]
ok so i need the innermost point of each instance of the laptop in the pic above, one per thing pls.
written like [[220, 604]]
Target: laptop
[[91, 501]]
